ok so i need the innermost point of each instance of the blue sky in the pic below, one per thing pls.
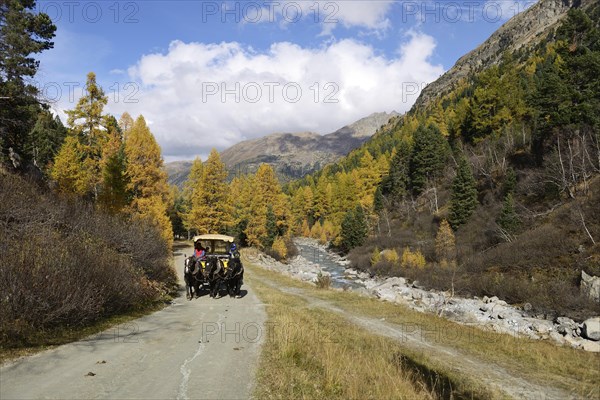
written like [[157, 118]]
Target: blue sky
[[209, 74]]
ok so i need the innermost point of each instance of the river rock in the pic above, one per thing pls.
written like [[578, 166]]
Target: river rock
[[592, 346], [590, 286], [591, 329]]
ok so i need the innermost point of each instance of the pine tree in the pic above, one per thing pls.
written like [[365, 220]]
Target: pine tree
[[445, 244], [429, 155], [147, 184], [23, 33], [46, 138], [396, 183], [270, 228], [508, 219], [211, 208], [354, 229], [463, 200], [510, 181]]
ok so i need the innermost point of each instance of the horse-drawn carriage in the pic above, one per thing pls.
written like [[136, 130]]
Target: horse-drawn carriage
[[215, 261]]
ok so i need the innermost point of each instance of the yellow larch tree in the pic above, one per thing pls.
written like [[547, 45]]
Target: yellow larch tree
[[70, 171], [267, 195], [193, 181], [211, 210], [147, 184]]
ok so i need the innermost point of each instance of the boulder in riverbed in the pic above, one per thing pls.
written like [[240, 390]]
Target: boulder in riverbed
[[591, 329]]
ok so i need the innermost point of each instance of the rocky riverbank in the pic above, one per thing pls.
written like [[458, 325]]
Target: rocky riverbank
[[487, 312]]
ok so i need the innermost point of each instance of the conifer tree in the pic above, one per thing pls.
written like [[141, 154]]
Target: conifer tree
[[429, 155], [211, 209], [510, 181], [23, 34], [395, 185], [46, 138], [113, 194], [463, 200], [89, 125], [70, 172], [147, 184], [354, 229], [508, 219], [266, 192], [193, 181], [271, 231], [445, 244]]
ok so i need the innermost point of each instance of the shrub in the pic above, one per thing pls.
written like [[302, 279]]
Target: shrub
[[412, 259], [323, 281], [375, 256], [391, 256], [65, 264], [279, 247]]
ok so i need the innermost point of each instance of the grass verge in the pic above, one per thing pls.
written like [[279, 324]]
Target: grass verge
[[573, 370], [313, 354]]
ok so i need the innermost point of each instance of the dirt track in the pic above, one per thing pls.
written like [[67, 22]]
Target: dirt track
[[501, 380], [202, 348]]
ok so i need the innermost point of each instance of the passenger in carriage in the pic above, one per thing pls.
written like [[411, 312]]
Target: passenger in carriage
[[199, 254], [199, 251]]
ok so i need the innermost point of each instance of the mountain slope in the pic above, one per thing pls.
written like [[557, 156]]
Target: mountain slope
[[292, 155], [525, 29]]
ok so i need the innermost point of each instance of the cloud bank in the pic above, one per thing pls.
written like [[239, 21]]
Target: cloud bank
[[198, 96]]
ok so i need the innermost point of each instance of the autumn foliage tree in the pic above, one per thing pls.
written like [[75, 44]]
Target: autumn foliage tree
[[445, 244], [211, 210], [83, 151], [268, 214], [147, 178]]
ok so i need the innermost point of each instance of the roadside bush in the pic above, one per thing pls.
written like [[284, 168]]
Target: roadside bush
[[280, 248], [64, 264]]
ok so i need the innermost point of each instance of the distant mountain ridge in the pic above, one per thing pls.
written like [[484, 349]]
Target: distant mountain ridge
[[292, 155]]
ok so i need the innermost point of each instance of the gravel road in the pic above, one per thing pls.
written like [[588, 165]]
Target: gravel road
[[203, 348]]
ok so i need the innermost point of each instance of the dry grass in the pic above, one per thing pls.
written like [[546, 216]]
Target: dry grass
[[574, 370], [312, 354]]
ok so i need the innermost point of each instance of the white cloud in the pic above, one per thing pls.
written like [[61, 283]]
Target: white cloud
[[367, 14], [201, 96]]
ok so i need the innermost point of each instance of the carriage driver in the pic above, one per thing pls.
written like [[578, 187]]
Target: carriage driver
[[233, 252]]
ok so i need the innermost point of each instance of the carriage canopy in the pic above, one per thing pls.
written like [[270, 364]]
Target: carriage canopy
[[214, 243]]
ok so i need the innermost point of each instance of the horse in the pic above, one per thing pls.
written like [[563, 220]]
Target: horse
[[234, 277], [192, 274], [214, 275]]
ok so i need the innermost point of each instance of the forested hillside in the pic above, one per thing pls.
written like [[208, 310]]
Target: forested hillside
[[509, 158], [84, 207]]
